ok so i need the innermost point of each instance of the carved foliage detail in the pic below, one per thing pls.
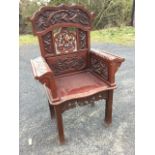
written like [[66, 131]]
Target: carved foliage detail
[[65, 41], [51, 17], [68, 63], [99, 67], [48, 44], [82, 39]]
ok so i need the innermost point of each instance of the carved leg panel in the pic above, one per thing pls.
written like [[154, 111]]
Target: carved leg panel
[[108, 108], [59, 124]]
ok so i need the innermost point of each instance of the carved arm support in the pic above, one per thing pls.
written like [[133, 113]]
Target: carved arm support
[[105, 65], [44, 74]]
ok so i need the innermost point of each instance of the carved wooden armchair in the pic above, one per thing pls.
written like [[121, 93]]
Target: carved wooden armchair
[[70, 71]]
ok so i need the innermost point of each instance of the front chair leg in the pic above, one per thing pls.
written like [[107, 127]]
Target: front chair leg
[[59, 123], [108, 108]]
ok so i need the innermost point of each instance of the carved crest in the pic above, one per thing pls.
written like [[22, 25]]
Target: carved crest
[[49, 16]]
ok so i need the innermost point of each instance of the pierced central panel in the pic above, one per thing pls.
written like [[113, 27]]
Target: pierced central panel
[[65, 41]]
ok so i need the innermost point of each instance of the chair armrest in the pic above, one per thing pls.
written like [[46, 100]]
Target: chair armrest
[[40, 68], [44, 74], [105, 65], [107, 56]]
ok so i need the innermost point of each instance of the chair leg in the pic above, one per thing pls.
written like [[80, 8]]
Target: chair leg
[[59, 124], [108, 108], [92, 104], [52, 112]]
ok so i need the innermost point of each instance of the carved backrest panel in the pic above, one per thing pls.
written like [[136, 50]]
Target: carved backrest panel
[[68, 62], [63, 30], [83, 39], [64, 40], [47, 44]]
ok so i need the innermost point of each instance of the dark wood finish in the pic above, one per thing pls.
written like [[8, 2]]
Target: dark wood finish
[[59, 123], [52, 112], [108, 108], [71, 73]]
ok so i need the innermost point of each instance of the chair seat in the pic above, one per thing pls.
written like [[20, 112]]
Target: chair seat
[[78, 85]]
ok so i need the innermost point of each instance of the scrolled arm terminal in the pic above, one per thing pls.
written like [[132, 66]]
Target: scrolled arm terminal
[[44, 74]]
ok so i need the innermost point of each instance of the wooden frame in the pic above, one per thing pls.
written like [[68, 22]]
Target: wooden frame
[[64, 38]]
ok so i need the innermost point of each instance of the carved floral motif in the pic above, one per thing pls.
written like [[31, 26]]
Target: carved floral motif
[[65, 41]]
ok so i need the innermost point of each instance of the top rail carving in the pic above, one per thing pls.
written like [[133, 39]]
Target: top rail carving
[[62, 14]]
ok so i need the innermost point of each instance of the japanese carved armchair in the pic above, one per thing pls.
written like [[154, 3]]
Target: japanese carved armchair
[[70, 71]]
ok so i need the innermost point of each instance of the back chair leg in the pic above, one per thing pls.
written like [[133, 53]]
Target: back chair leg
[[59, 123], [108, 108], [52, 112], [92, 104]]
